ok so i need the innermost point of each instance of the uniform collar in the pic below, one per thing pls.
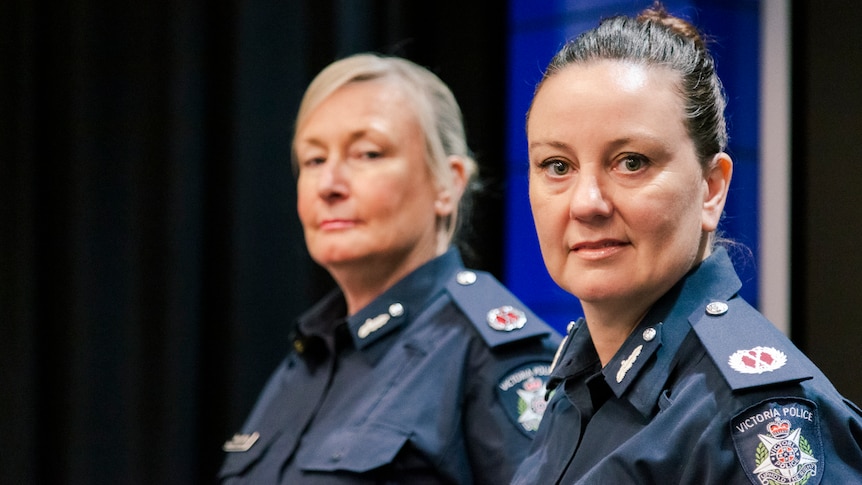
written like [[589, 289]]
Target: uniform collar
[[392, 310], [321, 319], [402, 303], [577, 356], [640, 369], [667, 323]]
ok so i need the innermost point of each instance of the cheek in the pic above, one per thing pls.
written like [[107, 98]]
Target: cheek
[[660, 215], [550, 216], [394, 200], [671, 220], [539, 200], [304, 198], [546, 226], [539, 209]]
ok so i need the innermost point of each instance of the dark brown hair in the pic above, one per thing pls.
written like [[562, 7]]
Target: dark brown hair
[[656, 38]]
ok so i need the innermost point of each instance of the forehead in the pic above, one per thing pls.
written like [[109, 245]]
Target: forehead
[[366, 96], [622, 93], [617, 76], [381, 104]]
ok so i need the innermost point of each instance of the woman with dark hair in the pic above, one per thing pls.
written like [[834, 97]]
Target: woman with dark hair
[[671, 377]]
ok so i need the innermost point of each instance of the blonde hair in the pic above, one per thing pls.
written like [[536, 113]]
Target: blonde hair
[[434, 105]]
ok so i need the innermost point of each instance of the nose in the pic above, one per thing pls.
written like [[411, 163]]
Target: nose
[[334, 179], [589, 199]]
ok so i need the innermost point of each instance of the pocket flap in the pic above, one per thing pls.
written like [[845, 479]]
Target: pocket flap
[[355, 450]]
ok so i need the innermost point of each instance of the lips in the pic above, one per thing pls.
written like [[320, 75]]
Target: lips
[[336, 224], [598, 249], [597, 245]]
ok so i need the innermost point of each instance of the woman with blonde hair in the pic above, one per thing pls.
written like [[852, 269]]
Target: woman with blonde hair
[[415, 369]]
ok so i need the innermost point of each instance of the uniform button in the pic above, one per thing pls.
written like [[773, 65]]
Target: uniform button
[[571, 326], [649, 334], [396, 309], [716, 308], [466, 278], [337, 456]]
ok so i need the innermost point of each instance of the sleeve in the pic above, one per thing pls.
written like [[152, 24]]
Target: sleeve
[[792, 439], [503, 405], [843, 444], [826, 436]]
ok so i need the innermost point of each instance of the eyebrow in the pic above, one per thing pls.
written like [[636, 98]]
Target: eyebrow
[[555, 144], [352, 137], [615, 143]]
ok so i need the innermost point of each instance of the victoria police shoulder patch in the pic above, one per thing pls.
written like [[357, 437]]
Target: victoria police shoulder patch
[[778, 442], [522, 393]]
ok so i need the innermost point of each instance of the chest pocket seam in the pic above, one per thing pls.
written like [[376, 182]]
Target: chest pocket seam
[[356, 450]]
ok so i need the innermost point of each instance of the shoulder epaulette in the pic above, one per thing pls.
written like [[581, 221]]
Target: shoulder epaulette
[[746, 347], [498, 315]]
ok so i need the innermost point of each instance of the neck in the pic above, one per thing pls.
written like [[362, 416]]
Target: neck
[[363, 281], [612, 321], [360, 290], [611, 325]]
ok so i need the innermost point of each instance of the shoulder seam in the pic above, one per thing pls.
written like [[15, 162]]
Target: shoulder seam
[[730, 337], [477, 299]]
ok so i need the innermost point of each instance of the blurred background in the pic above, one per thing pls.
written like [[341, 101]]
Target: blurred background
[[151, 261]]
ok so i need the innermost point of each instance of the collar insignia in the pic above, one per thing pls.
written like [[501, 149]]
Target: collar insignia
[[627, 364], [372, 325], [240, 442]]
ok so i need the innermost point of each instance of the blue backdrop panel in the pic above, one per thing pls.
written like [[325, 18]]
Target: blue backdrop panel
[[538, 30]]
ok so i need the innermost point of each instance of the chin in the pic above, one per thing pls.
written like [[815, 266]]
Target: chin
[[334, 256], [595, 292]]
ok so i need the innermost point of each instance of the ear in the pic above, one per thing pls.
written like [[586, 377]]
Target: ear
[[717, 184], [448, 196]]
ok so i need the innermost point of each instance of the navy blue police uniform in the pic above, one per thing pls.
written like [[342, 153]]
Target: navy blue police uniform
[[704, 391], [441, 379]]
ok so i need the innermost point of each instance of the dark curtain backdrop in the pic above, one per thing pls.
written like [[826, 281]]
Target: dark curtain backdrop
[[152, 262], [826, 224]]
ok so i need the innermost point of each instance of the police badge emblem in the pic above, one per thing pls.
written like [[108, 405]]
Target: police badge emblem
[[778, 442], [522, 392], [757, 360], [506, 318]]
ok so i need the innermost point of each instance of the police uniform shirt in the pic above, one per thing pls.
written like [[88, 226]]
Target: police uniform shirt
[[440, 380], [704, 391]]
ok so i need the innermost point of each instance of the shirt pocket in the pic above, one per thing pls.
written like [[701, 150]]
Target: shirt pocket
[[356, 450]]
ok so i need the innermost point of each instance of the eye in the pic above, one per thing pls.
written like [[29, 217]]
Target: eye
[[555, 168], [366, 149], [312, 161], [632, 163], [366, 154]]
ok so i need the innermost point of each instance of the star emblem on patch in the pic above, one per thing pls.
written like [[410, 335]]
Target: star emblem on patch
[[784, 455], [522, 393], [531, 403]]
